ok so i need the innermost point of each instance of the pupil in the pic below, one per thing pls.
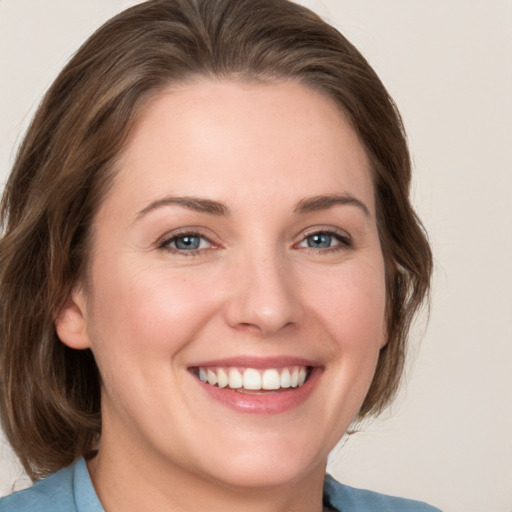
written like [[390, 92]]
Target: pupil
[[187, 242], [320, 240]]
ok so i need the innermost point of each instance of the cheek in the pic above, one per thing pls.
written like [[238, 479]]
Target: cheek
[[351, 303], [148, 317]]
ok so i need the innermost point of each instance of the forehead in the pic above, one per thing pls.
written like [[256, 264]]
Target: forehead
[[229, 140]]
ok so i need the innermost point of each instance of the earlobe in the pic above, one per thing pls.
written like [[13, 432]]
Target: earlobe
[[384, 335], [71, 322]]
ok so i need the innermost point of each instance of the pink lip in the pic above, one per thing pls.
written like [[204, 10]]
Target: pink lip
[[256, 362], [269, 402]]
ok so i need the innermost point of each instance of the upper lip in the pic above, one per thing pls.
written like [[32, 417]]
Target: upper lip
[[256, 362]]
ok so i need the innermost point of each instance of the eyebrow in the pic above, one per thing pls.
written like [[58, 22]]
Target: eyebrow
[[211, 207], [324, 202], [197, 204]]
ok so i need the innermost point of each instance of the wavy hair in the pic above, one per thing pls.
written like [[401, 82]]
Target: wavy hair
[[49, 393]]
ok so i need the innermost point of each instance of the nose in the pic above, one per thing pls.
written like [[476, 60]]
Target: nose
[[264, 295]]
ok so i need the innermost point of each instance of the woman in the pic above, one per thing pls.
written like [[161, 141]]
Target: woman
[[209, 265]]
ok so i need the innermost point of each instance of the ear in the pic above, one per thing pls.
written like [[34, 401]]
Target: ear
[[384, 337], [71, 322], [384, 340]]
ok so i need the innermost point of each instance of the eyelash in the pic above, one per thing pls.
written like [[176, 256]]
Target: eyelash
[[344, 242], [165, 244]]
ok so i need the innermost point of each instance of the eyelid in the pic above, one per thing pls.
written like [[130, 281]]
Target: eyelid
[[343, 237], [331, 230], [163, 243]]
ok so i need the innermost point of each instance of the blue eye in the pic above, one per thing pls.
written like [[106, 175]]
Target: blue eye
[[186, 242], [325, 240], [319, 241]]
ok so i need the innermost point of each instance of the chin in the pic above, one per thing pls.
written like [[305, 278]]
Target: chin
[[260, 464]]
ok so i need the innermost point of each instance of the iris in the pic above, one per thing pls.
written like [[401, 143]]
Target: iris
[[187, 242], [319, 240]]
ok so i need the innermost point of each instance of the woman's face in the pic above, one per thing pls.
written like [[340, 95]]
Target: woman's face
[[237, 245]]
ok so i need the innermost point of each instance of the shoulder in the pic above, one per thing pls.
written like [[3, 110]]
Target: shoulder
[[350, 499], [53, 493], [68, 490]]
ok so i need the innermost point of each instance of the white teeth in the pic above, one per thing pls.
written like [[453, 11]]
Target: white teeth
[[302, 376], [294, 381], [270, 380], [212, 377], [222, 378], [235, 379], [254, 380], [286, 378]]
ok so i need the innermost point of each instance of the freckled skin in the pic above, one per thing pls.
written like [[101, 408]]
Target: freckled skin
[[254, 287]]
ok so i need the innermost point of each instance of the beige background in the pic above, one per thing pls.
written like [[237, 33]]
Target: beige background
[[448, 64]]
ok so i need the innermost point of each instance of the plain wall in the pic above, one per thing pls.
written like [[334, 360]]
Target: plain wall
[[448, 64]]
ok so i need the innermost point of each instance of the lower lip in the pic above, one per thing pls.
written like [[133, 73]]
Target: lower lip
[[265, 403]]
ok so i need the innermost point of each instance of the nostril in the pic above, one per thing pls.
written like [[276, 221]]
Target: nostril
[[263, 328], [262, 301]]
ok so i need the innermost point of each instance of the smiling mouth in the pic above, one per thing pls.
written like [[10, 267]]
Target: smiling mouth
[[247, 380]]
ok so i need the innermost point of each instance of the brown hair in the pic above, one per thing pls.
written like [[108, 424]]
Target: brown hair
[[50, 394]]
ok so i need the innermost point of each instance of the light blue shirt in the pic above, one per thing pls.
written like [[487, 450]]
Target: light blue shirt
[[71, 490]]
